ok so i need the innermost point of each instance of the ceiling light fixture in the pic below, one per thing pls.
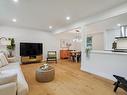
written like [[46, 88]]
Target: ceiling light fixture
[[14, 20], [50, 27], [15, 1], [77, 37], [118, 24], [67, 18]]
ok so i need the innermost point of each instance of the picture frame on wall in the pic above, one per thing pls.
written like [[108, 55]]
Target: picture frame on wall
[[65, 43], [62, 43], [89, 42]]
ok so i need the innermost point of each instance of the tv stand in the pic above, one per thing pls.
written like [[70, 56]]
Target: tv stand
[[31, 59]]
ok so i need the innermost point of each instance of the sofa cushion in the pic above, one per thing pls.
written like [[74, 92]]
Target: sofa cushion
[[3, 59], [8, 89], [7, 77]]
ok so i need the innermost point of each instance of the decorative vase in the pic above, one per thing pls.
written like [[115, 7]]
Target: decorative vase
[[10, 53]]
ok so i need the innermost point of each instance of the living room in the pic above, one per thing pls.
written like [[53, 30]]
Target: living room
[[87, 49]]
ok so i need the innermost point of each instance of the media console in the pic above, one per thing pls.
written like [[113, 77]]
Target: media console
[[31, 59]]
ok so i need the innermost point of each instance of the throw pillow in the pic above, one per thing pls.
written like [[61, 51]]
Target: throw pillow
[[7, 77], [3, 59]]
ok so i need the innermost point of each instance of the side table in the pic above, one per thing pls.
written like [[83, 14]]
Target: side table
[[45, 75]]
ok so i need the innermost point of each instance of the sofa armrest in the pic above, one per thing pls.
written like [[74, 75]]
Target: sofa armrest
[[8, 89], [7, 77]]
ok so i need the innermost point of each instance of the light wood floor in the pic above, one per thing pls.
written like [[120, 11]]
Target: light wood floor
[[69, 80]]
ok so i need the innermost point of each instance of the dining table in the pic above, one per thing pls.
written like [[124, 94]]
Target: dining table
[[76, 55]]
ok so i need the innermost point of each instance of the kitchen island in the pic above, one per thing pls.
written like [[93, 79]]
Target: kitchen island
[[105, 63]]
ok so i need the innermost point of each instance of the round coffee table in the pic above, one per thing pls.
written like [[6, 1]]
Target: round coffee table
[[45, 75]]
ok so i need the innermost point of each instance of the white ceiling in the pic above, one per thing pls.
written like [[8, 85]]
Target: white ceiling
[[39, 14]]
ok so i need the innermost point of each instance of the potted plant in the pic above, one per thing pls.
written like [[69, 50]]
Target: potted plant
[[88, 49], [11, 47]]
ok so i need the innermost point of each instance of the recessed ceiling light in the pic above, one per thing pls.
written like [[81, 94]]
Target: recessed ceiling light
[[118, 24], [67, 18], [16, 1], [14, 20], [50, 27]]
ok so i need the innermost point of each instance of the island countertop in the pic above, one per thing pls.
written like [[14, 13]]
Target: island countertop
[[108, 52]]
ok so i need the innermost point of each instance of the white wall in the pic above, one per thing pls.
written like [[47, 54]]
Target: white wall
[[69, 37], [109, 38], [27, 35], [106, 64], [97, 40]]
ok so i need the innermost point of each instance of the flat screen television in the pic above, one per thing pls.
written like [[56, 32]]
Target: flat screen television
[[31, 49]]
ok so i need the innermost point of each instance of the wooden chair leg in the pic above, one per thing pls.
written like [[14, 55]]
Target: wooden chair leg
[[116, 86], [114, 83]]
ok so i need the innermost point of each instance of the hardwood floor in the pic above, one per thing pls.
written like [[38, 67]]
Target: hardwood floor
[[69, 80]]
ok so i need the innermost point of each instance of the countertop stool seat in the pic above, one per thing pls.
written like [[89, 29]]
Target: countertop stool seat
[[45, 75]]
